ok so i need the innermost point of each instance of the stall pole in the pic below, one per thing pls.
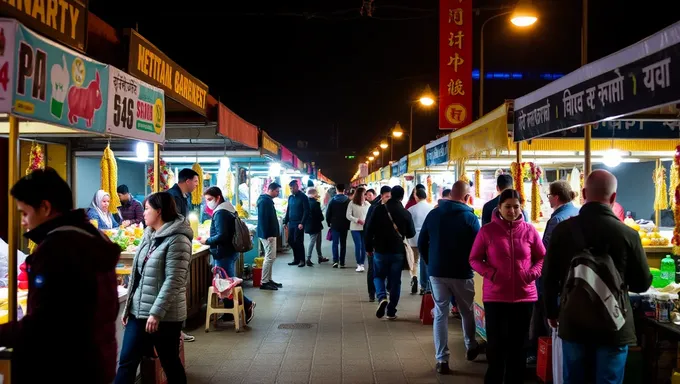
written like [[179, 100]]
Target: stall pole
[[657, 211], [518, 149], [587, 164], [588, 129], [12, 227], [156, 167]]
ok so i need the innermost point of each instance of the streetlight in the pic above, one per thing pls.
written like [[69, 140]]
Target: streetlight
[[376, 152], [397, 131], [426, 100], [371, 158], [383, 145], [523, 15]]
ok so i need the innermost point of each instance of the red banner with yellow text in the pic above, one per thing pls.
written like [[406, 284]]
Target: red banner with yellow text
[[455, 64]]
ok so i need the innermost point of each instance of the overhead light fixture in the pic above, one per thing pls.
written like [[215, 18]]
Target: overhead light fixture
[[612, 158], [525, 14], [371, 158], [397, 131], [142, 151], [275, 169], [383, 145], [376, 152]]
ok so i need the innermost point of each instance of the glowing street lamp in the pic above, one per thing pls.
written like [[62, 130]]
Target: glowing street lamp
[[371, 158], [383, 145], [524, 14], [376, 153], [397, 131]]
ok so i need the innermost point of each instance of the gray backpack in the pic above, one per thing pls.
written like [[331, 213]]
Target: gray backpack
[[594, 293], [242, 241]]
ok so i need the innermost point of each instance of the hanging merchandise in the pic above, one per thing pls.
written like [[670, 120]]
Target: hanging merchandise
[[197, 194], [230, 185], [478, 181], [36, 160], [676, 210], [675, 180], [536, 173], [109, 178], [428, 181], [517, 171], [574, 180], [463, 172], [581, 180], [242, 213], [166, 176], [660, 195]]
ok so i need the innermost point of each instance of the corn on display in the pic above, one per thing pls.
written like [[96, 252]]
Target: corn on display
[[197, 194], [242, 213], [673, 185], [478, 182], [429, 189], [229, 187], [36, 160], [661, 196], [109, 178]]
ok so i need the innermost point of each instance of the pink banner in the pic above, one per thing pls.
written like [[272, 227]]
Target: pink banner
[[286, 155]]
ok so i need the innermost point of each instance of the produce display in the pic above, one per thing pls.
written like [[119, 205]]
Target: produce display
[[109, 178], [127, 238], [197, 194], [649, 235]]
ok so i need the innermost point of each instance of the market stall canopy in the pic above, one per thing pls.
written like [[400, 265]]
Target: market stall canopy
[[386, 172], [233, 127], [286, 155], [416, 160], [150, 64], [488, 133], [394, 169], [403, 165], [632, 80], [269, 146], [437, 152]]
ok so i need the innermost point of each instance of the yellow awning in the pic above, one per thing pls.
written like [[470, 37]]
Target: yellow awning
[[416, 160], [483, 135], [641, 145]]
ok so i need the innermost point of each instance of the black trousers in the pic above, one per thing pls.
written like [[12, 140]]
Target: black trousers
[[369, 277], [507, 328], [296, 239]]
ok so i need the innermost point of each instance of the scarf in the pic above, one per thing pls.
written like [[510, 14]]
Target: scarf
[[105, 217]]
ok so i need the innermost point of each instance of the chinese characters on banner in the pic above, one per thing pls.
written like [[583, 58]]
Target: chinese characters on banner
[[455, 63]]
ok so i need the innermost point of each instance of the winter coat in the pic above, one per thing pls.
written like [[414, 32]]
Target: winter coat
[[222, 228], [182, 201], [336, 213], [356, 213], [418, 214], [446, 239], [314, 222], [559, 215], [70, 254], [380, 235], [509, 255], [298, 209], [267, 221], [488, 210], [160, 288]]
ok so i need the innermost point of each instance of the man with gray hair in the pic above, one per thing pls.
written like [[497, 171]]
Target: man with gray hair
[[597, 235]]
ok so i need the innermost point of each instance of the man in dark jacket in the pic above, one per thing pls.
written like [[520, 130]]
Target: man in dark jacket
[[314, 226], [445, 243], [130, 209], [385, 194], [296, 215], [503, 182], [386, 244], [70, 253], [600, 229], [268, 231], [187, 181], [336, 218]]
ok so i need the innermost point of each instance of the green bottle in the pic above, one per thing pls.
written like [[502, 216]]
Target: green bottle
[[667, 270]]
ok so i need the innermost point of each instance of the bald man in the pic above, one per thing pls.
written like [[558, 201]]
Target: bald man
[[445, 241], [597, 229]]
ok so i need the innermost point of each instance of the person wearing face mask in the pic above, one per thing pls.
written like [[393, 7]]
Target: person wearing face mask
[[222, 228], [508, 253], [99, 211]]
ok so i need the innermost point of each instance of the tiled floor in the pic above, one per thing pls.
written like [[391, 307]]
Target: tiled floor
[[346, 343]]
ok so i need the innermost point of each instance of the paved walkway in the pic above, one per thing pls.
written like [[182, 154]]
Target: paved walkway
[[345, 344]]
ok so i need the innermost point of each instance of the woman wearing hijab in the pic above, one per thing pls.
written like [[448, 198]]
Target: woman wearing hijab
[[100, 211]]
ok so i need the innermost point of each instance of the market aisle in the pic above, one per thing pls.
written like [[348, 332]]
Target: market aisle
[[346, 342]]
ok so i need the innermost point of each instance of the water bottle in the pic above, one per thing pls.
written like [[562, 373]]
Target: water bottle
[[667, 270]]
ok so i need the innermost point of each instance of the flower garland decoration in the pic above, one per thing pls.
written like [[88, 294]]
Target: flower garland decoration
[[536, 173], [675, 180], [676, 210], [517, 171], [164, 173], [581, 183], [660, 195], [229, 186], [478, 179], [428, 181], [36, 160]]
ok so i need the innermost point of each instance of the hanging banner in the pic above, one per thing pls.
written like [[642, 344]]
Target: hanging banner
[[385, 172], [7, 57], [64, 21], [135, 109], [455, 63], [269, 146], [437, 152], [416, 160], [286, 155], [57, 85], [403, 165], [635, 79], [625, 129], [363, 170], [395, 169], [148, 63]]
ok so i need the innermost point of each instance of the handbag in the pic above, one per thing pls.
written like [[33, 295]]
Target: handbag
[[410, 258], [223, 284], [329, 235]]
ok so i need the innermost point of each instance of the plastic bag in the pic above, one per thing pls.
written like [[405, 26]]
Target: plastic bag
[[4, 262], [556, 357], [223, 284]]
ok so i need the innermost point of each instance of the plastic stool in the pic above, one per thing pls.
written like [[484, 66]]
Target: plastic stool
[[238, 311], [426, 307]]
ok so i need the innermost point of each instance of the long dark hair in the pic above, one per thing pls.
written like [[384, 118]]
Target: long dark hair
[[164, 202], [215, 192], [509, 194], [356, 199]]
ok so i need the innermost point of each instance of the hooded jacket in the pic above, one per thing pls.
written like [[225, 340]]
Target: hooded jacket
[[222, 228], [314, 222], [267, 222], [509, 255], [446, 239], [159, 289], [336, 213], [298, 209], [380, 234], [70, 254], [182, 201]]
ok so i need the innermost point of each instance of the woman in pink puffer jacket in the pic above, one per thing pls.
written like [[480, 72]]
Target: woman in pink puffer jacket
[[508, 253]]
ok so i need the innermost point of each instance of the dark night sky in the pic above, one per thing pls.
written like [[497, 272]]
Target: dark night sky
[[317, 71]]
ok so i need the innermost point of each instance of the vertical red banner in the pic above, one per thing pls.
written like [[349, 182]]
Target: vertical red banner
[[455, 63]]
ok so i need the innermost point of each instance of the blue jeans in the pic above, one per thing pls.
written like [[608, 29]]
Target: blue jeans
[[137, 342], [229, 265], [610, 362], [359, 247], [388, 266], [339, 238], [442, 290]]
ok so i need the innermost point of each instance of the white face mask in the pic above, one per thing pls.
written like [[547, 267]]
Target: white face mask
[[212, 204]]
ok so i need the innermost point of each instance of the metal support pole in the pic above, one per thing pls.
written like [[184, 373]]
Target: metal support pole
[[156, 167], [410, 132], [12, 218], [588, 129]]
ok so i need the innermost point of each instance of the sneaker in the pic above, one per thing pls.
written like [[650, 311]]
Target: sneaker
[[187, 337], [443, 367], [342, 265], [278, 285], [309, 263], [531, 360], [371, 299], [363, 268], [335, 265], [268, 286], [250, 312], [414, 285], [393, 317], [302, 264], [380, 312], [293, 263], [472, 354], [358, 268], [322, 259], [422, 291]]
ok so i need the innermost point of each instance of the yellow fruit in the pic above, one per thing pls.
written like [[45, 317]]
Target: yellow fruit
[[646, 242], [642, 234], [636, 226]]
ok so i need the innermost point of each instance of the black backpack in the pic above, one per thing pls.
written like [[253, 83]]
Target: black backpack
[[594, 293], [242, 241]]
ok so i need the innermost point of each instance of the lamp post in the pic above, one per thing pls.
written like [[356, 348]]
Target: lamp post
[[426, 100]]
